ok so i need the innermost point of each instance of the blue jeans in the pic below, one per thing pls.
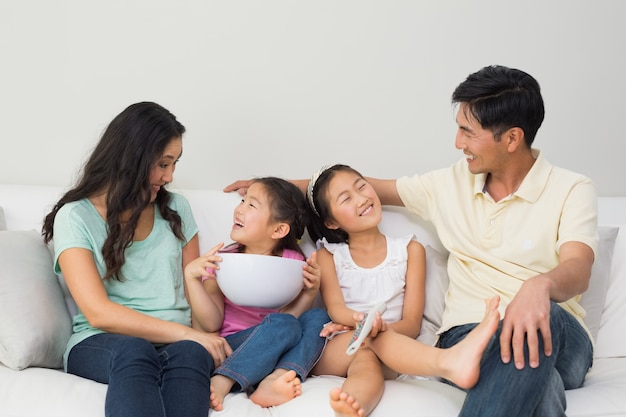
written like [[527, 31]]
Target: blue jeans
[[279, 341], [503, 390], [144, 380]]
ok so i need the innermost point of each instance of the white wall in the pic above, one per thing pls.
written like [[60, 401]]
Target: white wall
[[281, 87]]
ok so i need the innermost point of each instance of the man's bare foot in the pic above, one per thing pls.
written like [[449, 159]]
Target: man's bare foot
[[220, 386], [463, 359], [278, 387], [344, 404]]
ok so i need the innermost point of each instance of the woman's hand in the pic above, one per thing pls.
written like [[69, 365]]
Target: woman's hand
[[217, 346]]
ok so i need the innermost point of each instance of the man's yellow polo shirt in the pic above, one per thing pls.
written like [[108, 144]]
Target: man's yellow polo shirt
[[495, 246]]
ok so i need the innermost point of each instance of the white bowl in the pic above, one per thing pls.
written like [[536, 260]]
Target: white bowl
[[259, 280]]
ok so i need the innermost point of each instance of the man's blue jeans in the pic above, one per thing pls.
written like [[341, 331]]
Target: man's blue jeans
[[503, 390], [279, 341], [144, 380]]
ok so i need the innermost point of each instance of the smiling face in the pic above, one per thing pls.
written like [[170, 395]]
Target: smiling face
[[484, 154], [253, 226], [354, 205], [163, 171]]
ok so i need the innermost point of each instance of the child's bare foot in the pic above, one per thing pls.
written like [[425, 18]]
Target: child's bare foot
[[344, 404], [463, 359], [278, 387], [220, 386]]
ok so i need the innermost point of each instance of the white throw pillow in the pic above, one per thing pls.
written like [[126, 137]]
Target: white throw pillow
[[434, 298], [611, 341], [594, 298], [35, 322], [3, 223]]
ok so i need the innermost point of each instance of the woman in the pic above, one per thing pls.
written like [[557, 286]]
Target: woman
[[122, 241]]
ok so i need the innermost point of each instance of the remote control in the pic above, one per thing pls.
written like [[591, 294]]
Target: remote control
[[364, 327]]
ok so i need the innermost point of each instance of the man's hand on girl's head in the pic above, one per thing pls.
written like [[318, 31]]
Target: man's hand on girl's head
[[241, 186]]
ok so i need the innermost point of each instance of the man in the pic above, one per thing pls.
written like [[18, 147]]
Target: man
[[515, 226]]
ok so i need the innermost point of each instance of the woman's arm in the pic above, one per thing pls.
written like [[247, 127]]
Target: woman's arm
[[87, 289]]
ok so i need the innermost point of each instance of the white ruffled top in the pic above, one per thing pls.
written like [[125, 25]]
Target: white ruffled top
[[365, 287]]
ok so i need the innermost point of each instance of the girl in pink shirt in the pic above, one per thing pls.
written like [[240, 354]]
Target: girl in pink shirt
[[273, 349]]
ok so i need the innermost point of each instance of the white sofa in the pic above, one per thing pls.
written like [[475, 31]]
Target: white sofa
[[35, 320]]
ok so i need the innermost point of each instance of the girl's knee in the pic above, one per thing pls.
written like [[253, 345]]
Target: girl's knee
[[316, 314], [367, 356], [314, 319], [284, 321]]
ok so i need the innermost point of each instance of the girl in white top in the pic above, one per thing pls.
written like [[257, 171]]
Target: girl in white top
[[362, 267]]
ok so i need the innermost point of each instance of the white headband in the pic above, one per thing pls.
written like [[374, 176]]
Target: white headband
[[309, 189]]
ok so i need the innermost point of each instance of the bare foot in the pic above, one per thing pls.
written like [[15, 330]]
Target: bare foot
[[463, 359], [278, 387], [345, 404], [220, 386]]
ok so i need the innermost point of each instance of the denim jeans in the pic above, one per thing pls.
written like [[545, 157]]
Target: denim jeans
[[279, 341], [170, 380], [503, 390]]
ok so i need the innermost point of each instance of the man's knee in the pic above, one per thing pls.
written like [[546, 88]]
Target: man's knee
[[552, 402]]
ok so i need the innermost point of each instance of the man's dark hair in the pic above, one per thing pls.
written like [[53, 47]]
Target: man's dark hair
[[500, 98]]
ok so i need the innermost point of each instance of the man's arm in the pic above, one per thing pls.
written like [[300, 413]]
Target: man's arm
[[241, 186], [387, 191], [529, 311]]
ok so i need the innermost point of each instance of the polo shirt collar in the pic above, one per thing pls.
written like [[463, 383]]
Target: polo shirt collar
[[533, 183], [479, 184]]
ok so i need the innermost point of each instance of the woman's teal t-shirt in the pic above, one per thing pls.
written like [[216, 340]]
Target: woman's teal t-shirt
[[152, 273]]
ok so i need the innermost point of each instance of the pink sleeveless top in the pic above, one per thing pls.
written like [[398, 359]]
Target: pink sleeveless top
[[237, 318]]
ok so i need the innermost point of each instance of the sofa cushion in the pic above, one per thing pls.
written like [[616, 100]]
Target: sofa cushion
[[594, 298], [3, 223], [434, 298], [611, 340], [35, 322]]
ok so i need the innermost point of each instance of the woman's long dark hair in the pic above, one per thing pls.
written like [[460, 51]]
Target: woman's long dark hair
[[120, 165]]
